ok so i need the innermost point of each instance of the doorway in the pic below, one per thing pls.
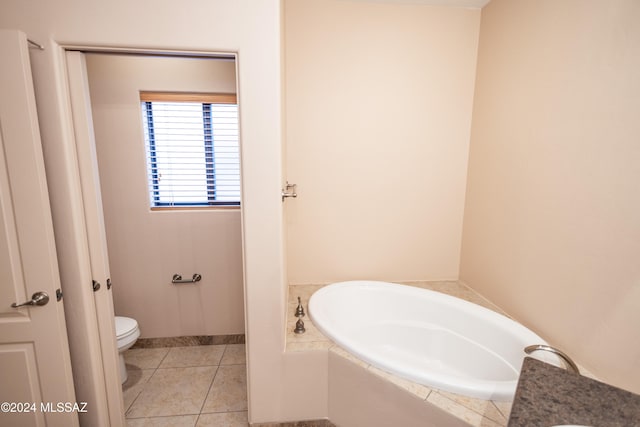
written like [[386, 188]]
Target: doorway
[[148, 245]]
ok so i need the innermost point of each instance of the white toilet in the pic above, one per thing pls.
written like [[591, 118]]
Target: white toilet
[[127, 332]]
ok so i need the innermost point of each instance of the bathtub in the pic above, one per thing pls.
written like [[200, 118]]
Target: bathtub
[[424, 336]]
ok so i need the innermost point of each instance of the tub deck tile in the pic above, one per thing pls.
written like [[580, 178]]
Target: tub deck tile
[[460, 411], [486, 408], [419, 390], [504, 408], [346, 355]]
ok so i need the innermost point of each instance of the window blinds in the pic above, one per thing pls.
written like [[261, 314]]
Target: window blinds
[[193, 154]]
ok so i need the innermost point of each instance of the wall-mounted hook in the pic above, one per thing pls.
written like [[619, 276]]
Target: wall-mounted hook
[[286, 193]]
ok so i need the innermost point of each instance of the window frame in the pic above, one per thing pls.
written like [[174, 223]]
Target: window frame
[[187, 97]]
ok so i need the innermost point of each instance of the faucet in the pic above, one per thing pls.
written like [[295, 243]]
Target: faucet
[[299, 314], [573, 367]]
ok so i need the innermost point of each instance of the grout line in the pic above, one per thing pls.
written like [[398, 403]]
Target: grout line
[[164, 357], [226, 347], [139, 393], [206, 396], [506, 416]]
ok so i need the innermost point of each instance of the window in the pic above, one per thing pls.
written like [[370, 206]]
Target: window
[[192, 146]]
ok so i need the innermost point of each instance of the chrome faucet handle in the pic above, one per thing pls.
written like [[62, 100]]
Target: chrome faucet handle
[[299, 309], [573, 367]]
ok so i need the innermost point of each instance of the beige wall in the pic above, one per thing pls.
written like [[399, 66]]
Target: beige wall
[[378, 116], [551, 229], [276, 383], [146, 248]]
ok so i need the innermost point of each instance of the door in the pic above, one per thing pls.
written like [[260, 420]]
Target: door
[[96, 238], [35, 369]]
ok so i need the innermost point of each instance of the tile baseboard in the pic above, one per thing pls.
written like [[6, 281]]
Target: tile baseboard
[[308, 423], [189, 341]]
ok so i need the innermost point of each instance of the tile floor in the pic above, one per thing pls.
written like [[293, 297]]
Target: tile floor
[[194, 386]]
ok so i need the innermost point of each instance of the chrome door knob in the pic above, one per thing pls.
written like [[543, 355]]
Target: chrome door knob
[[39, 298]]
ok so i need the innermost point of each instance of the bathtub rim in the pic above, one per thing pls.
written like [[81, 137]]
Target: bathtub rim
[[496, 390]]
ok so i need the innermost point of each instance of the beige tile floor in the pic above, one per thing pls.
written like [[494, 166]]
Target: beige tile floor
[[195, 386]]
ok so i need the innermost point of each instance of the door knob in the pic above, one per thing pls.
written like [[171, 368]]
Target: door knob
[[39, 298]]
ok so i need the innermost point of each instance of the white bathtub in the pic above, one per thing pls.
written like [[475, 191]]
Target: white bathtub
[[427, 337]]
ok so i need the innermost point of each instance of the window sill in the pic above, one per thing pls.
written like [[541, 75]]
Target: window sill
[[194, 208]]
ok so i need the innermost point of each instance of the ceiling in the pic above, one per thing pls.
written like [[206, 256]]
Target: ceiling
[[453, 3]]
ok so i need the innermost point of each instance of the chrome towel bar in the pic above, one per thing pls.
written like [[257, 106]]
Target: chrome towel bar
[[178, 278]]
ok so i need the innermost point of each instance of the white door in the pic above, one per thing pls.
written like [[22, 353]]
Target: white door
[[96, 234], [36, 386]]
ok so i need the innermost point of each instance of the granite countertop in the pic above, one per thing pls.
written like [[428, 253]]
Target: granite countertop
[[550, 396]]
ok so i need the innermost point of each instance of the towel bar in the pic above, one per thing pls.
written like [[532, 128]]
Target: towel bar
[[178, 278]]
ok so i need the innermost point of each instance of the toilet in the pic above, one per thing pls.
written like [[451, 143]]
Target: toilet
[[127, 332]]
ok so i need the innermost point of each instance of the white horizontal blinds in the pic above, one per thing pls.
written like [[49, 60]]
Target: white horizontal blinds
[[193, 155], [226, 151]]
